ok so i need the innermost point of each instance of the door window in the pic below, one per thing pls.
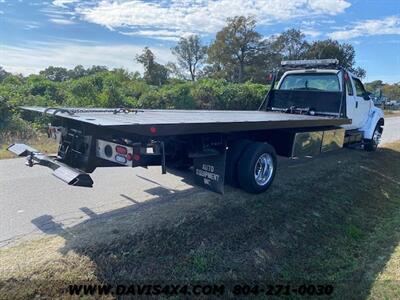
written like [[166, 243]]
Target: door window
[[349, 87], [360, 91]]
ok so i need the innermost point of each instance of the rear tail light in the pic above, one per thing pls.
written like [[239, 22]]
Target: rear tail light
[[121, 150], [136, 157], [122, 154]]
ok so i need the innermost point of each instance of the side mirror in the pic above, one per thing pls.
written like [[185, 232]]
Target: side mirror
[[367, 95]]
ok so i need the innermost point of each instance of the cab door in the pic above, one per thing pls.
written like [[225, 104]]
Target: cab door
[[357, 106], [363, 101]]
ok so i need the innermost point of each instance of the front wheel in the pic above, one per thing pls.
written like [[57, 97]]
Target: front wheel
[[372, 144], [257, 167]]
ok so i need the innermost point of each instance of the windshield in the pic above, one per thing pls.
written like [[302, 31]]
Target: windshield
[[314, 82]]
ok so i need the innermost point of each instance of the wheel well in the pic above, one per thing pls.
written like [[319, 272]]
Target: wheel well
[[380, 122]]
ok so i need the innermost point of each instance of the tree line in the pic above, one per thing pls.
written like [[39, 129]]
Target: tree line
[[229, 73], [239, 53], [379, 89]]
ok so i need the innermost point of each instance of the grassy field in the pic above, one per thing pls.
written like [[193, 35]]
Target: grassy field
[[332, 219], [41, 143]]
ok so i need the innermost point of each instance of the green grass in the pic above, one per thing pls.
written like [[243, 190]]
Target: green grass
[[334, 218]]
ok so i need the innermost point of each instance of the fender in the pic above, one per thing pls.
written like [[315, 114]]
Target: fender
[[374, 116]]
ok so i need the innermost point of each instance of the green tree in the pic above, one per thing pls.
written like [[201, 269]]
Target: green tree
[[234, 47], [96, 69], [77, 72], [5, 112], [3, 74], [84, 91], [55, 73], [46, 88], [392, 91], [290, 44], [190, 54], [154, 73], [345, 53], [263, 61], [374, 85]]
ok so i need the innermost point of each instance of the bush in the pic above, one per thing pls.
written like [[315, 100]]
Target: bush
[[168, 97], [247, 96], [178, 96], [219, 94], [151, 99], [5, 113], [207, 93], [17, 128]]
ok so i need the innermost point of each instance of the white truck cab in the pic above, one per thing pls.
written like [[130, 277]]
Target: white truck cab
[[320, 81]]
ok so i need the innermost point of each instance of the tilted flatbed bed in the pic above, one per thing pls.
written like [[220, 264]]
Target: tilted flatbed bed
[[308, 112], [179, 122], [209, 140]]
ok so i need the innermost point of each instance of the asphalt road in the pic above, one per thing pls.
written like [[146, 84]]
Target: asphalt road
[[31, 200], [391, 131]]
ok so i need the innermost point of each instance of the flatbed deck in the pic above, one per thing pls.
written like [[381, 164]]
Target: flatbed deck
[[180, 122]]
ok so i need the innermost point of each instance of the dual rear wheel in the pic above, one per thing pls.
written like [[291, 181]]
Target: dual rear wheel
[[251, 166]]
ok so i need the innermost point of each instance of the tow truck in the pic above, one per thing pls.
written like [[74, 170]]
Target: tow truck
[[316, 106]]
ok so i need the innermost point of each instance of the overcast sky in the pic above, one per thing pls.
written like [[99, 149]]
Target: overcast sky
[[35, 34]]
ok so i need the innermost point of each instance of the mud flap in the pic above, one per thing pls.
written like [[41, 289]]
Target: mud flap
[[209, 171]]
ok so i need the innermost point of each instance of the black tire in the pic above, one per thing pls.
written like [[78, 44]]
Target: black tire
[[371, 145], [232, 158], [247, 164]]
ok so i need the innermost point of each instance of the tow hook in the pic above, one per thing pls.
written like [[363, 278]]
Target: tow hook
[[29, 160]]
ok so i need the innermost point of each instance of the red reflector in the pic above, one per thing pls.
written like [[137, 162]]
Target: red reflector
[[269, 77], [121, 150], [153, 130], [129, 156], [136, 157], [346, 76]]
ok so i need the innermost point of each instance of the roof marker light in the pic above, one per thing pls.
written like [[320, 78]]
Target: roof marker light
[[153, 130], [310, 63]]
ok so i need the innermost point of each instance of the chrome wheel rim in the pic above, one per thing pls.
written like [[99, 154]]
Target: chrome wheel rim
[[377, 137], [263, 169]]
